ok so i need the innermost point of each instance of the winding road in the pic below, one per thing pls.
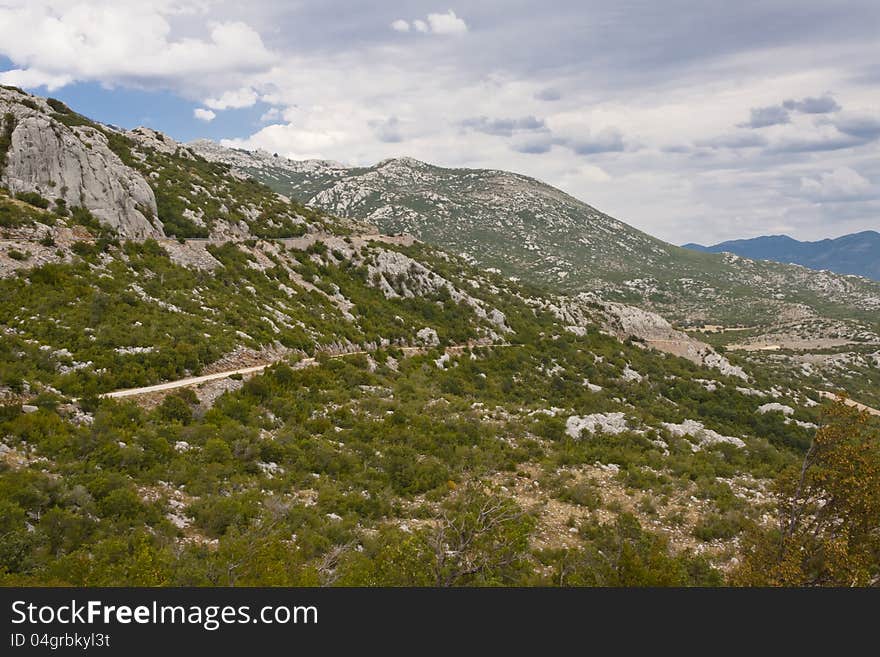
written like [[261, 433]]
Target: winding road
[[303, 362], [306, 362]]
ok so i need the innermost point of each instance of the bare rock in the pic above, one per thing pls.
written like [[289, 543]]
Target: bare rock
[[76, 165]]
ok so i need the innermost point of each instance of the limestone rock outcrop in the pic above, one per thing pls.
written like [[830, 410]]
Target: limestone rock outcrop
[[75, 164]]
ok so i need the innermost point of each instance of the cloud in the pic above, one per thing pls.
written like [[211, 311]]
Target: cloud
[[503, 127], [813, 105], [767, 116], [271, 114], [31, 79], [443, 24], [534, 137], [815, 144], [235, 99], [609, 140], [847, 131], [56, 42], [204, 114], [548, 94], [387, 131], [735, 140], [536, 145], [841, 184], [864, 126], [447, 23]]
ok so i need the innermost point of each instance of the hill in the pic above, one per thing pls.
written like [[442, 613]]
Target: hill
[[384, 411], [524, 228], [858, 253]]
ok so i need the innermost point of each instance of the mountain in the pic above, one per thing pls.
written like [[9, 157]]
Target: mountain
[[204, 382], [529, 230], [858, 253]]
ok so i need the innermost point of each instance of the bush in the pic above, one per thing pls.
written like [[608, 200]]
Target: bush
[[33, 198], [175, 409], [720, 526], [6, 130], [582, 493], [58, 106]]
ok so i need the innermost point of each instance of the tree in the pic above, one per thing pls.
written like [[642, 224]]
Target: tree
[[828, 529], [478, 539], [475, 539], [175, 408]]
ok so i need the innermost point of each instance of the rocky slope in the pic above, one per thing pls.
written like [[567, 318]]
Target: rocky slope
[[75, 166], [404, 388], [532, 231]]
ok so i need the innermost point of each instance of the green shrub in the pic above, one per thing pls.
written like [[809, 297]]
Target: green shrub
[[58, 106], [6, 130], [720, 526], [33, 198]]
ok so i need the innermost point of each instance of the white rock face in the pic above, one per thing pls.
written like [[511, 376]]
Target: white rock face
[[613, 423], [705, 436], [396, 275], [630, 375], [625, 321], [428, 337], [75, 164], [775, 406]]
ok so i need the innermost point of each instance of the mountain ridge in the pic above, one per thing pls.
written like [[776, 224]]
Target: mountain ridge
[[855, 254], [532, 231]]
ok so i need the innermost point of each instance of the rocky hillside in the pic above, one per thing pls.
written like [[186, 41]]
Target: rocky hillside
[[534, 232], [382, 411], [138, 184]]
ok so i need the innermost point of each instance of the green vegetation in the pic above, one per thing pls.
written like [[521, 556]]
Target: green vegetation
[[357, 458], [324, 451], [17, 255], [34, 199], [7, 126], [828, 532]]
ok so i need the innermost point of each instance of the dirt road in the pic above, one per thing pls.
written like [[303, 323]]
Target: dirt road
[[304, 362], [848, 402]]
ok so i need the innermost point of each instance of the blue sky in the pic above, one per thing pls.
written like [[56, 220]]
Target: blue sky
[[692, 120]]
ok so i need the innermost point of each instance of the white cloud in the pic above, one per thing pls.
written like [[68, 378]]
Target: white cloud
[[443, 24], [32, 78], [52, 42], [235, 99], [204, 114], [841, 184], [447, 23], [271, 114]]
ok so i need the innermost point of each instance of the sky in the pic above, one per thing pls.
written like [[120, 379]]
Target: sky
[[692, 120]]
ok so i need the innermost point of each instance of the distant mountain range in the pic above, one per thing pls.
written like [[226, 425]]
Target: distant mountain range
[[858, 253]]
